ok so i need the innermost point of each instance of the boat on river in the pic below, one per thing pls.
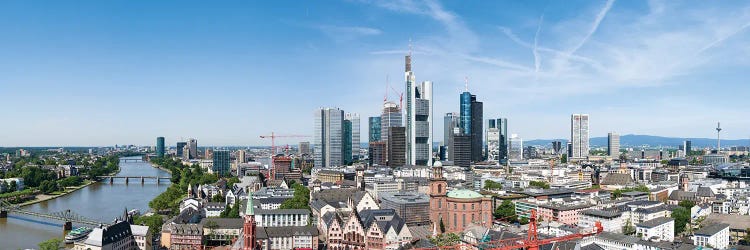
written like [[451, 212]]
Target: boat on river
[[77, 234]]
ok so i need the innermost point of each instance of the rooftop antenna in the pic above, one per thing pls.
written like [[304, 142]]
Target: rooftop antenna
[[466, 83], [409, 46], [385, 97], [718, 137]]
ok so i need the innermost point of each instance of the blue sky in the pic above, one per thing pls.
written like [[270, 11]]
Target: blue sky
[[117, 72]]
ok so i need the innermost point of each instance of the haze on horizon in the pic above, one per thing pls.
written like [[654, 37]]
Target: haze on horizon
[[99, 73]]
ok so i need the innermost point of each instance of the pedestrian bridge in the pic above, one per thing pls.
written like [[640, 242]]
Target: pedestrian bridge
[[143, 179]]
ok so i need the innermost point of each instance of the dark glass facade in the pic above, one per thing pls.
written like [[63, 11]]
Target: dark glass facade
[[374, 128], [347, 141], [159, 146], [221, 162]]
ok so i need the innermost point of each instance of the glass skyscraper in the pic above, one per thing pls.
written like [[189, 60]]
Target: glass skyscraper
[[221, 162], [347, 142], [579, 135], [159, 146], [354, 142], [374, 128], [418, 119], [328, 137], [471, 123], [391, 117]]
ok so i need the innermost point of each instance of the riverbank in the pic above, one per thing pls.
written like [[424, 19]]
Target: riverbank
[[46, 197], [160, 167], [68, 190]]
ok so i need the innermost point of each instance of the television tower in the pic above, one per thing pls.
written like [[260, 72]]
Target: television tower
[[718, 137]]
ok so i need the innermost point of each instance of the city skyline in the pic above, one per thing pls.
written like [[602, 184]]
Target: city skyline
[[74, 78]]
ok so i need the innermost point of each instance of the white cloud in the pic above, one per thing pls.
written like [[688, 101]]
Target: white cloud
[[575, 59], [347, 33]]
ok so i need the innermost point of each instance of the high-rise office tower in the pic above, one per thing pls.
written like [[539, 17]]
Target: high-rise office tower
[[688, 146], [579, 135], [180, 146], [418, 119], [557, 147], [391, 117], [471, 122], [328, 137], [193, 144], [209, 154], [353, 118], [241, 156], [160, 146], [613, 144], [461, 150], [377, 153], [373, 125], [499, 145], [516, 147], [396, 147], [221, 162], [304, 148], [347, 142], [477, 121], [450, 123]]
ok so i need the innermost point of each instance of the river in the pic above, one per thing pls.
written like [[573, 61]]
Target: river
[[100, 201]]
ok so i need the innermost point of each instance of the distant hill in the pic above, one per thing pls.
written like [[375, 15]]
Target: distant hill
[[650, 140]]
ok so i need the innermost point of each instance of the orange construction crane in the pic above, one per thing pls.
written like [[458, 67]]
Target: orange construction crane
[[273, 137], [530, 242]]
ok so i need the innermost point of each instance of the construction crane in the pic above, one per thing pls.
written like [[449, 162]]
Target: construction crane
[[530, 242], [273, 137]]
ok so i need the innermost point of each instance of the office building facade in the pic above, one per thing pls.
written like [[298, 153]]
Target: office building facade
[[450, 127], [353, 118], [396, 146], [497, 140], [347, 142], [391, 117], [221, 162], [461, 150], [373, 125], [472, 123], [180, 146], [515, 148], [193, 148], [160, 147], [418, 119], [328, 137], [579, 136], [613, 144], [304, 148]]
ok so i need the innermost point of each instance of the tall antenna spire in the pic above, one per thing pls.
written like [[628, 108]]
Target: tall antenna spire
[[718, 137], [408, 59], [385, 97], [466, 83], [409, 46]]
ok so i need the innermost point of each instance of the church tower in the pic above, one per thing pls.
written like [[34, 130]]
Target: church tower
[[249, 242], [438, 192]]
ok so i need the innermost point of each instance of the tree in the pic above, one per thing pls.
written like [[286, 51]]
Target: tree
[[51, 244], [681, 217], [686, 204], [523, 221], [300, 200], [564, 158], [449, 239], [13, 186], [490, 184], [154, 222], [506, 211], [628, 229], [539, 184], [48, 186], [442, 226], [218, 198]]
